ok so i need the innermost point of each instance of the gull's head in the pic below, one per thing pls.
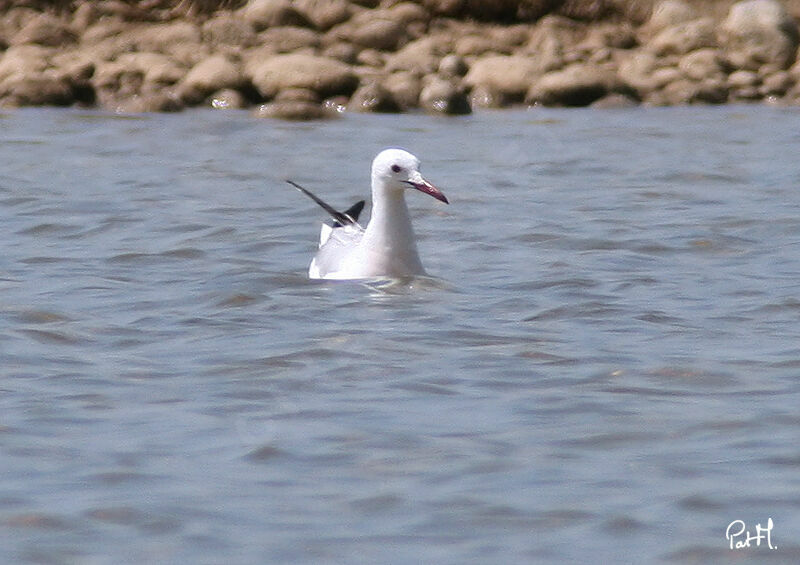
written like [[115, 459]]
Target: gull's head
[[397, 170]]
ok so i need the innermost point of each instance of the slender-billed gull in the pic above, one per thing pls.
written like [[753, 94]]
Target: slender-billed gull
[[386, 248]]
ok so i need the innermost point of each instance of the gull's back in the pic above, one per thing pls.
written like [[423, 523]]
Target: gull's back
[[337, 246]]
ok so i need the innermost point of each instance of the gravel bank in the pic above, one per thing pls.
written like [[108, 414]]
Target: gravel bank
[[310, 59]]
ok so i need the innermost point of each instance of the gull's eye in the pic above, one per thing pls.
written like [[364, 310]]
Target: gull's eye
[[397, 168]]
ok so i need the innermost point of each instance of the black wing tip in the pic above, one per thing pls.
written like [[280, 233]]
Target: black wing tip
[[339, 218], [355, 210], [351, 214]]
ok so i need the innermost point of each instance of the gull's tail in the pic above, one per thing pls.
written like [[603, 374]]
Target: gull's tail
[[349, 216]]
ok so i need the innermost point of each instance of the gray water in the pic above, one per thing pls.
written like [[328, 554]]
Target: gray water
[[603, 367]]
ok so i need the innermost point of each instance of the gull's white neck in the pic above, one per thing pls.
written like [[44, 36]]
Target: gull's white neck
[[389, 237]]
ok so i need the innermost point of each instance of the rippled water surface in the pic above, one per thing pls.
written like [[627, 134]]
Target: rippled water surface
[[604, 366]]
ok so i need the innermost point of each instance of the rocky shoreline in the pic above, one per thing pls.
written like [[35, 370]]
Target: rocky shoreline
[[309, 59]]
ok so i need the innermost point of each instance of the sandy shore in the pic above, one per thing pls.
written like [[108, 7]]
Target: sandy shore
[[308, 59]]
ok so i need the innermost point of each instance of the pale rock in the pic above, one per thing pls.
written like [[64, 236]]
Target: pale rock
[[510, 36], [712, 90], [215, 73], [702, 64], [298, 94], [576, 85], [226, 29], [380, 33], [668, 14], [758, 32], [23, 60], [663, 76], [79, 66], [615, 101], [167, 38], [453, 66], [441, 96], [776, 84], [683, 38], [743, 79], [324, 14], [263, 14], [448, 8], [154, 67], [477, 45], [44, 29], [679, 92], [86, 14], [342, 51], [405, 88], [325, 76], [636, 70], [486, 97], [603, 36], [373, 97], [408, 13], [384, 29], [509, 75], [289, 39], [421, 56], [371, 58], [227, 99], [42, 89], [292, 110], [146, 102]]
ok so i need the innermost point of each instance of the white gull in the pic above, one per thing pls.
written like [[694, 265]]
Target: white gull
[[386, 248]]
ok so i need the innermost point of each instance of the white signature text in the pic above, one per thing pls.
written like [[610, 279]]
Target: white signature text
[[740, 537]]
